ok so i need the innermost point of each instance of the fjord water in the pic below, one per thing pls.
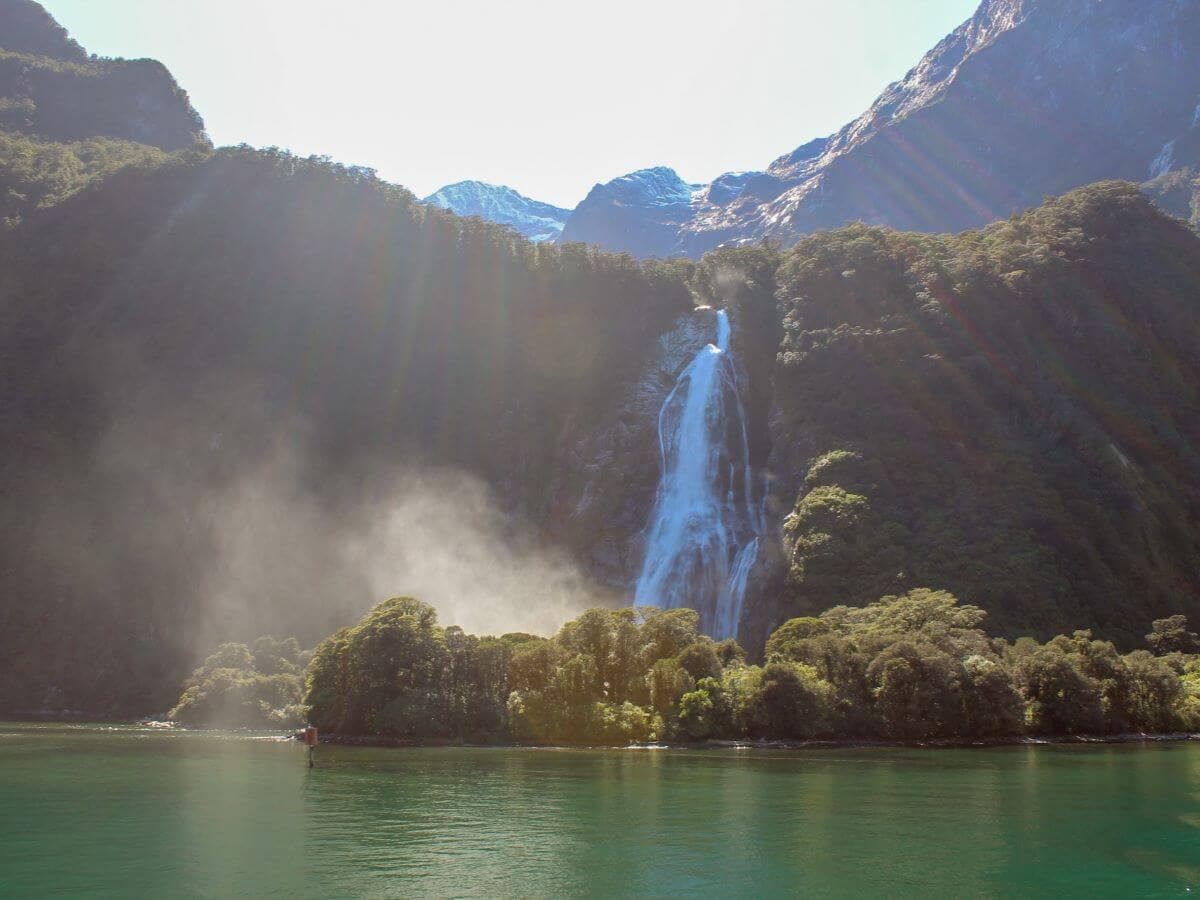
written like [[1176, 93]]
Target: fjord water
[[128, 811], [703, 533]]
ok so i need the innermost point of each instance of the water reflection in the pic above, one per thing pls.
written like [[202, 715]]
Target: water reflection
[[127, 813]]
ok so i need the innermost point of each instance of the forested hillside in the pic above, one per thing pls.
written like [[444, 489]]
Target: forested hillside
[[68, 119], [248, 393], [203, 350], [50, 88], [246, 337], [1012, 414]]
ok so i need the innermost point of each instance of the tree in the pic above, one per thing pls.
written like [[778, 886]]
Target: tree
[[1171, 635], [784, 642], [666, 632], [700, 660], [1153, 692], [992, 706], [668, 681], [701, 711], [918, 691], [792, 701], [238, 688], [386, 675], [1060, 698]]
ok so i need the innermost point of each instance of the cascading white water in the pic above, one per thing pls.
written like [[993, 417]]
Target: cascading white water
[[702, 538]]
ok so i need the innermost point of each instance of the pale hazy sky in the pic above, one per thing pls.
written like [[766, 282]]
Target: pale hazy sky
[[548, 97]]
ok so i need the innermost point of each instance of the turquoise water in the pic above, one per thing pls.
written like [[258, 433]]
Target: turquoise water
[[136, 812]]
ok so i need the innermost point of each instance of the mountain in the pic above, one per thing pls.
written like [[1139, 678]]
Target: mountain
[[936, 398], [68, 119], [221, 391], [52, 90], [640, 213], [213, 348], [1027, 99], [531, 218], [248, 393], [1178, 192]]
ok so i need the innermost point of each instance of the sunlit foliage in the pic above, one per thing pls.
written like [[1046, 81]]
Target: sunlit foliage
[[913, 667]]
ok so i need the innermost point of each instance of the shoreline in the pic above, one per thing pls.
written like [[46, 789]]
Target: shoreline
[[814, 744], [379, 741]]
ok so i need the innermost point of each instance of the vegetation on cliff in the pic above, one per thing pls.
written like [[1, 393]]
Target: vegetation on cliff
[[51, 89], [1012, 413], [37, 174], [912, 667], [182, 337]]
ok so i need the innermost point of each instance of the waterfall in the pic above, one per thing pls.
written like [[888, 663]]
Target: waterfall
[[702, 538]]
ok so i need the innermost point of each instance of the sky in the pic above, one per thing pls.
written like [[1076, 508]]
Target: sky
[[546, 96]]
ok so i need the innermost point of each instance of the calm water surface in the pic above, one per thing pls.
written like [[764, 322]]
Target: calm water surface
[[134, 812]]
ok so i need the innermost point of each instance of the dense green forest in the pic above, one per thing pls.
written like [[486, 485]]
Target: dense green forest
[[68, 119], [51, 89], [224, 368], [918, 666], [1012, 413], [38, 174], [183, 332]]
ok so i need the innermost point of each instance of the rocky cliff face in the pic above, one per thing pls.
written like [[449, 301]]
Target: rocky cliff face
[[607, 473], [531, 218], [52, 90], [1026, 99]]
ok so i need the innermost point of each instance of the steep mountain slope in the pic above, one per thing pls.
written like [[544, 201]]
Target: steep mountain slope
[[68, 119], [225, 373], [216, 378], [216, 382], [29, 29], [1012, 414], [1178, 192], [641, 213], [1028, 98], [51, 89], [530, 218]]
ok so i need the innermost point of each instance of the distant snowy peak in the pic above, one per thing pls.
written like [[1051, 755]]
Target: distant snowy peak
[[728, 187], [1025, 99], [497, 203], [648, 188], [639, 213], [644, 212]]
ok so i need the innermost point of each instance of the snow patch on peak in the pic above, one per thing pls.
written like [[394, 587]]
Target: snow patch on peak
[[501, 204], [653, 187], [726, 187]]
